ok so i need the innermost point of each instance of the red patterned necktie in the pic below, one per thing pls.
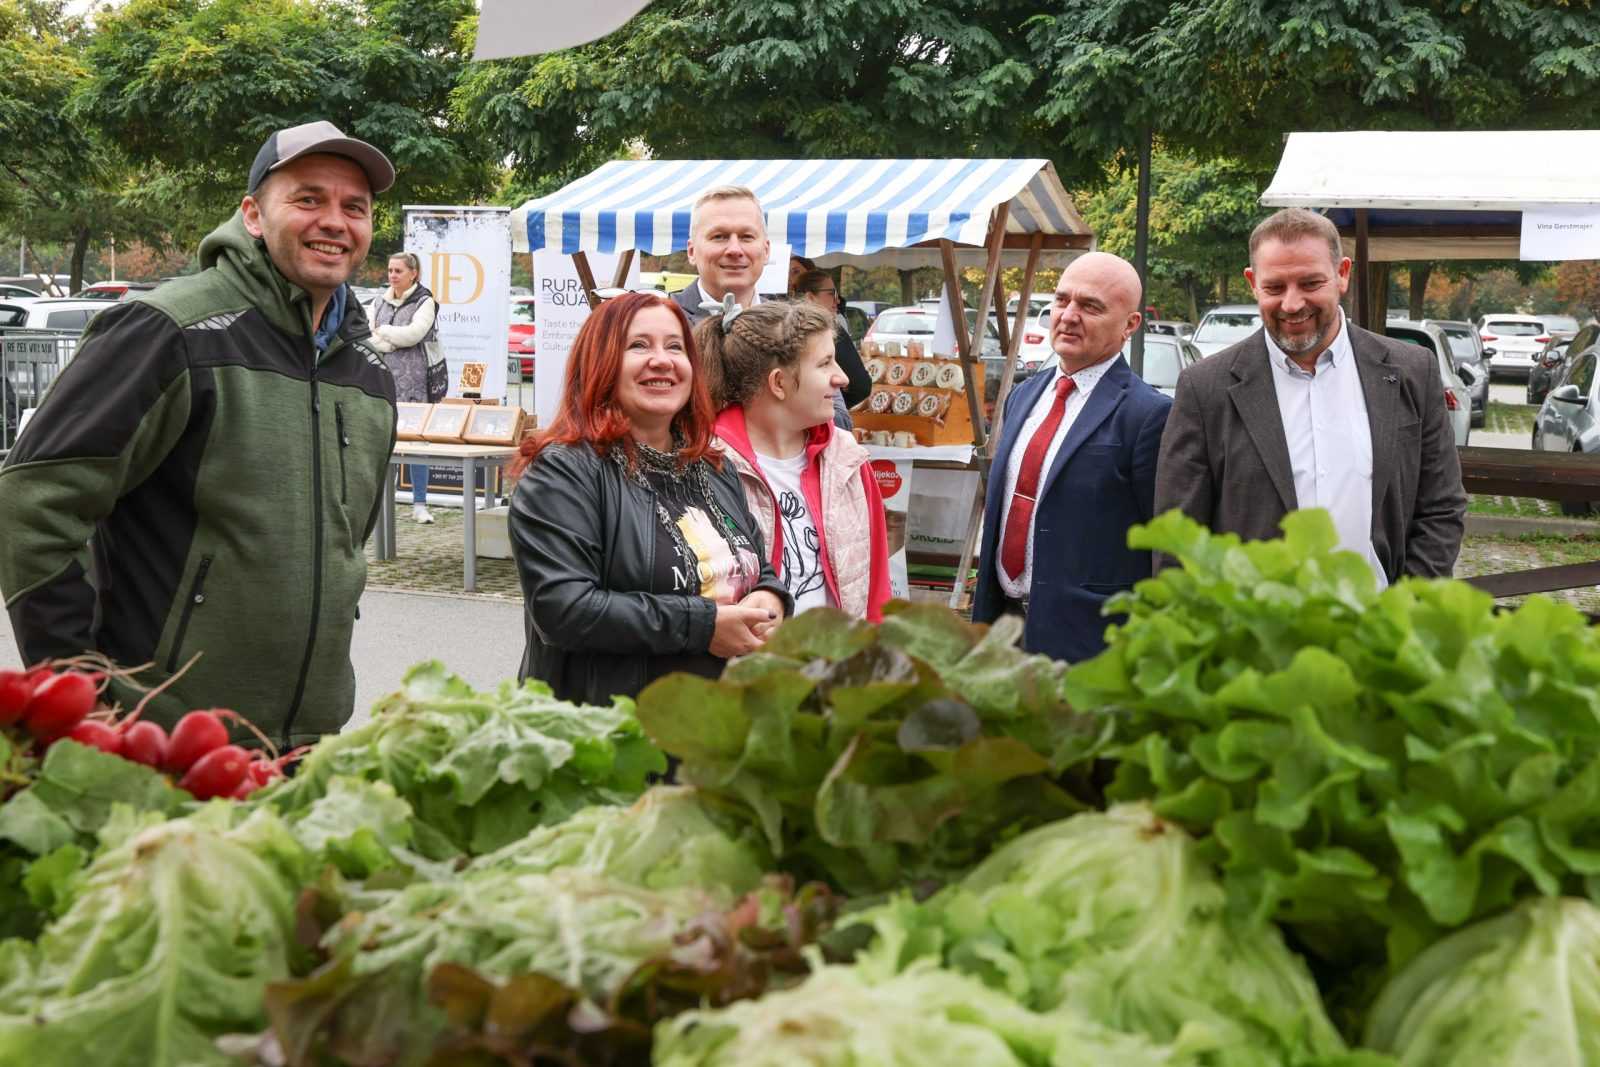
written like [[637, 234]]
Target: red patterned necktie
[[1019, 522]]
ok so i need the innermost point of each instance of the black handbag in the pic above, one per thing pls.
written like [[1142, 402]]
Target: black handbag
[[438, 381]]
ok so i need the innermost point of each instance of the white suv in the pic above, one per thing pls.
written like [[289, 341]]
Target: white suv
[[1515, 340], [1225, 325]]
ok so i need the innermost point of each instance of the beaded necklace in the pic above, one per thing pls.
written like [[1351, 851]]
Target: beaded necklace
[[693, 476]]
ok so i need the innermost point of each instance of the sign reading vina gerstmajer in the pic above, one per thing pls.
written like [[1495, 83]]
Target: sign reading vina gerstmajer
[[465, 254]]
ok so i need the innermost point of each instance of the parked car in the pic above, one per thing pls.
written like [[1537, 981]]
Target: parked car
[[1569, 418], [1225, 325], [17, 292], [50, 313], [1550, 361], [916, 323], [519, 341], [1466, 348], [1517, 341], [1172, 327], [1561, 324], [1165, 356], [113, 290], [870, 308], [1457, 394]]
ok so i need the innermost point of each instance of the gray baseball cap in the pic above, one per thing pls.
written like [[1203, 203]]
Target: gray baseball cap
[[320, 136]]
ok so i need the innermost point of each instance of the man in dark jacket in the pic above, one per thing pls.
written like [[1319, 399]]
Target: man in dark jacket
[[221, 444], [1074, 467], [729, 247]]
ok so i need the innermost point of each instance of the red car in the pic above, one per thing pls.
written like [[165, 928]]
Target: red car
[[520, 341]]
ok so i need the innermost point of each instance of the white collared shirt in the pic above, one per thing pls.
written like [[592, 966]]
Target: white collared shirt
[[1330, 440], [1084, 382]]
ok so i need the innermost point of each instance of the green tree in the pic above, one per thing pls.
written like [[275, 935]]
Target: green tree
[[832, 78], [1222, 77], [1201, 214], [195, 86]]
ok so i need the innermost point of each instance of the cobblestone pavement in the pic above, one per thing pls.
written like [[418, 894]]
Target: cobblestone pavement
[[428, 560]]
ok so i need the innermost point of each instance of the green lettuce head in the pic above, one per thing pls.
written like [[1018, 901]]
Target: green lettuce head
[[1516, 990], [1115, 917]]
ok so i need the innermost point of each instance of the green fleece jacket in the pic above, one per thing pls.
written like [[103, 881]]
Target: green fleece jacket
[[195, 492]]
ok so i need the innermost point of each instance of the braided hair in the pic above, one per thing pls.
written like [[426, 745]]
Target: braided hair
[[738, 359]]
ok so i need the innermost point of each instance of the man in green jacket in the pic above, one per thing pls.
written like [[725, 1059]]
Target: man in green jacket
[[196, 489]]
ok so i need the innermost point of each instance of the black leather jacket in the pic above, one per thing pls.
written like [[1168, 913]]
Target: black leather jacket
[[584, 539]]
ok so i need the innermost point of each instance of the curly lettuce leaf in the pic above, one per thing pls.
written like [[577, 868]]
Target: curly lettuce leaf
[[480, 769], [170, 942], [1372, 769]]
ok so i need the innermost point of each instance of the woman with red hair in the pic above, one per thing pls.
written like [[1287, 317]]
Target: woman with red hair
[[637, 553]]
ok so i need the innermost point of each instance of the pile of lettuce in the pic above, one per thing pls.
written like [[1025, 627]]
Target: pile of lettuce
[[1112, 918], [168, 941], [595, 926], [480, 769], [1370, 769], [877, 756]]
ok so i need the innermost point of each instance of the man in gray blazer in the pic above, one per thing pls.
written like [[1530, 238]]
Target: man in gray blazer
[[1313, 411]]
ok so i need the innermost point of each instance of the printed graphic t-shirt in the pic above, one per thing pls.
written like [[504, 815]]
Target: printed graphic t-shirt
[[721, 568], [801, 568]]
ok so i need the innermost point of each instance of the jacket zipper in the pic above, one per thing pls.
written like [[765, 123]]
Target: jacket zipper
[[197, 596], [316, 555], [344, 443]]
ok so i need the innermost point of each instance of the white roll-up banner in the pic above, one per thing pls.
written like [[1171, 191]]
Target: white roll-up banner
[[465, 253]]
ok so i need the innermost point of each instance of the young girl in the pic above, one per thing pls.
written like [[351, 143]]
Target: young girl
[[772, 372]]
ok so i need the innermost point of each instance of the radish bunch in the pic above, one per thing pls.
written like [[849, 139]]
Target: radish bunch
[[51, 705]]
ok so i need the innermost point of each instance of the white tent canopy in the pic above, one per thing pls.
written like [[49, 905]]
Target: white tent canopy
[[862, 211], [1436, 195]]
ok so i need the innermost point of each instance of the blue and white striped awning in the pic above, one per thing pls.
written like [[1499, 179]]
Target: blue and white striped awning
[[819, 207]]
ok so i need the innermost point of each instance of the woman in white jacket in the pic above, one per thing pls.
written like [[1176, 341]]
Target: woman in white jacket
[[403, 329]]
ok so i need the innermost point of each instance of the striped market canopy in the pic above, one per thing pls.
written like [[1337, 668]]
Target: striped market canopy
[[820, 207]]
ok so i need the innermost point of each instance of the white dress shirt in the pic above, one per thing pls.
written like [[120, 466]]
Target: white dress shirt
[[1084, 382], [1330, 442]]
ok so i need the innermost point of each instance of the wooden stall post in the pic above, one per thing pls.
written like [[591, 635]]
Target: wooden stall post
[[1008, 373], [970, 345], [620, 277], [1363, 290], [580, 260]]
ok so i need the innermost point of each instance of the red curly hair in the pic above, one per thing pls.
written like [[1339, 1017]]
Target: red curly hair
[[588, 410]]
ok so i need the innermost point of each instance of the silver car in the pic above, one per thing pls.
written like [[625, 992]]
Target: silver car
[[1165, 356], [1457, 394], [1225, 325], [1466, 348], [1569, 419]]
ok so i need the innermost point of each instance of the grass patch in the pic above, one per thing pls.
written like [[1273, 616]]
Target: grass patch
[[1510, 418], [1517, 506]]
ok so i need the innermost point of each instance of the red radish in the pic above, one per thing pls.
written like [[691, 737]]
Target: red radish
[[96, 734], [245, 787], [262, 770], [145, 742], [15, 689], [60, 703], [196, 734], [217, 773]]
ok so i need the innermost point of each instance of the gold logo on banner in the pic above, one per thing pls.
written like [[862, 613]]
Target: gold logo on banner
[[445, 276]]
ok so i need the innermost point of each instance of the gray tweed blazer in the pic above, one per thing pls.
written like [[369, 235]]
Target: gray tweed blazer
[[1225, 459]]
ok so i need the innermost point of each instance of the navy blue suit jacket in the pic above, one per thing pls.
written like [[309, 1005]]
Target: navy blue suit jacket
[[1102, 482]]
